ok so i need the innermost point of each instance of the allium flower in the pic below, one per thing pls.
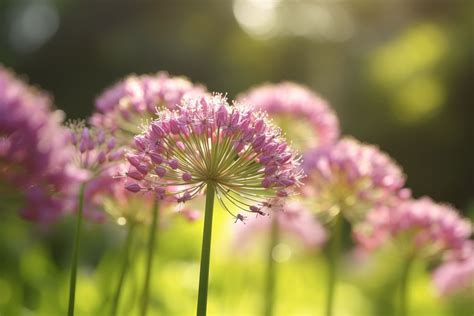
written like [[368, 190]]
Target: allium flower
[[351, 177], [98, 157], [131, 102], [107, 193], [95, 150], [208, 141], [455, 276], [294, 220], [305, 117], [34, 156], [423, 226]]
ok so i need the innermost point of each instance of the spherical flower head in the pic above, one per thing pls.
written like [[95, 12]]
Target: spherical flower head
[[351, 177], [95, 150], [420, 227], [294, 221], [97, 155], [455, 276], [305, 117], [34, 155], [209, 142], [131, 102], [107, 196]]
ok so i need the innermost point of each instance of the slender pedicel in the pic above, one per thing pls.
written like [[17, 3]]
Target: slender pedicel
[[75, 257], [149, 257]]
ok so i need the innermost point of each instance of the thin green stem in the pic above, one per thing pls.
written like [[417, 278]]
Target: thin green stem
[[205, 252], [271, 269], [75, 256], [125, 265], [334, 252], [404, 288], [149, 259]]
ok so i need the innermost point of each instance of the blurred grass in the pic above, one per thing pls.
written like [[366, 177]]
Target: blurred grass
[[34, 275]]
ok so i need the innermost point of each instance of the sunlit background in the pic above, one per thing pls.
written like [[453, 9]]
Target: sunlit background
[[399, 74]]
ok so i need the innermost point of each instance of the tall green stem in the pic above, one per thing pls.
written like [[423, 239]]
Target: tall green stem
[[334, 252], [271, 269], [123, 271], [404, 288], [149, 259], [77, 241], [205, 252]]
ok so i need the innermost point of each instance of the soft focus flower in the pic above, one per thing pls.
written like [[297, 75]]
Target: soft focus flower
[[98, 157], [108, 193], [351, 177], [306, 118], [95, 150], [34, 155], [208, 141], [130, 103], [421, 226], [455, 276], [293, 220]]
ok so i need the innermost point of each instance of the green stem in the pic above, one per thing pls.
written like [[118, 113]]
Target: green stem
[[123, 271], [334, 252], [404, 288], [149, 261], [205, 252], [77, 241], [271, 269]]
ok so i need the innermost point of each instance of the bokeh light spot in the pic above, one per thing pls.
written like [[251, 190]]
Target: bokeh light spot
[[31, 25], [421, 97], [281, 253]]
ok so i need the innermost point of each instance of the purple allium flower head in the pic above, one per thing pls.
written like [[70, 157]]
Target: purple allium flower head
[[95, 150], [34, 155], [293, 220], [314, 123], [98, 156], [422, 225], [351, 177], [455, 276], [129, 103], [207, 141]]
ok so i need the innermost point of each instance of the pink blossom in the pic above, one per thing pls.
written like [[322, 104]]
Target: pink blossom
[[34, 151], [216, 147], [127, 104], [293, 106], [293, 220], [455, 276], [351, 177], [430, 228]]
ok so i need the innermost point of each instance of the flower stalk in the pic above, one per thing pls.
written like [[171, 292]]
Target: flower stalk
[[271, 269], [124, 269], [77, 241], [149, 258], [404, 286], [334, 252], [205, 252]]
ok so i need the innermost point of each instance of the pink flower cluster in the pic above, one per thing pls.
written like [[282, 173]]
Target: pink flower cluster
[[430, 228], [98, 157], [34, 154], [353, 176], [454, 276], [127, 103], [207, 140], [289, 99], [95, 150], [294, 220]]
